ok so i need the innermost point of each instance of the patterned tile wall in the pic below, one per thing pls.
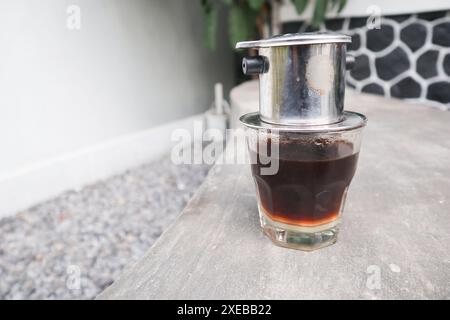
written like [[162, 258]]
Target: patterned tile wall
[[407, 58]]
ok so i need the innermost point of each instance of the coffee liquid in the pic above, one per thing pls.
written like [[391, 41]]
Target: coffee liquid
[[310, 185]]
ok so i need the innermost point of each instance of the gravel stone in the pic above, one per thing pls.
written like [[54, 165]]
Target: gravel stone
[[77, 244]]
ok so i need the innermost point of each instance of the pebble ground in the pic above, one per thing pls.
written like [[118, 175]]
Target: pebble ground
[[77, 244]]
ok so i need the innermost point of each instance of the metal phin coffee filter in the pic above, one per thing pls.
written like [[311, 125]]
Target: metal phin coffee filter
[[301, 112], [301, 80]]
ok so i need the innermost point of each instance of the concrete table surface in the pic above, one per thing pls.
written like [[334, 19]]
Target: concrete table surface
[[394, 240]]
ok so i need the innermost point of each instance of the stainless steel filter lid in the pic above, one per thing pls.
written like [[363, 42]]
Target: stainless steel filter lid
[[295, 39]]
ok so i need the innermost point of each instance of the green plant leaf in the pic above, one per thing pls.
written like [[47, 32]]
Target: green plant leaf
[[339, 4], [342, 4], [333, 4], [241, 24], [319, 12], [256, 4], [300, 5], [211, 22], [205, 5], [227, 2]]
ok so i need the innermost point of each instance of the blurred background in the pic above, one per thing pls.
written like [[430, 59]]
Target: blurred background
[[91, 91]]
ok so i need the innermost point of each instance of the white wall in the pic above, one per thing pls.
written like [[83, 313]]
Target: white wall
[[133, 65], [364, 8]]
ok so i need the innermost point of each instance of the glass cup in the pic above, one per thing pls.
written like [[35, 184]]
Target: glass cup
[[302, 179]]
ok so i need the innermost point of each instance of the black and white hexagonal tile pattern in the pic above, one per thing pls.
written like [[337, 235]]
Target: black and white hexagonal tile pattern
[[408, 57]]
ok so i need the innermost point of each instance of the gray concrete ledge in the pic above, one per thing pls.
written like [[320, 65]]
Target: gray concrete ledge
[[394, 241]]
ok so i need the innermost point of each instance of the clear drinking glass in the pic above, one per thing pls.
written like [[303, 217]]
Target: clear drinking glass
[[302, 180]]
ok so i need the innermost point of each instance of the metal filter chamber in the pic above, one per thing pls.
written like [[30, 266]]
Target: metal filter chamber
[[301, 77]]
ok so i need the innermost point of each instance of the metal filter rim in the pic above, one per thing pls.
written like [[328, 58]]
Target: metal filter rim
[[351, 120], [292, 39]]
